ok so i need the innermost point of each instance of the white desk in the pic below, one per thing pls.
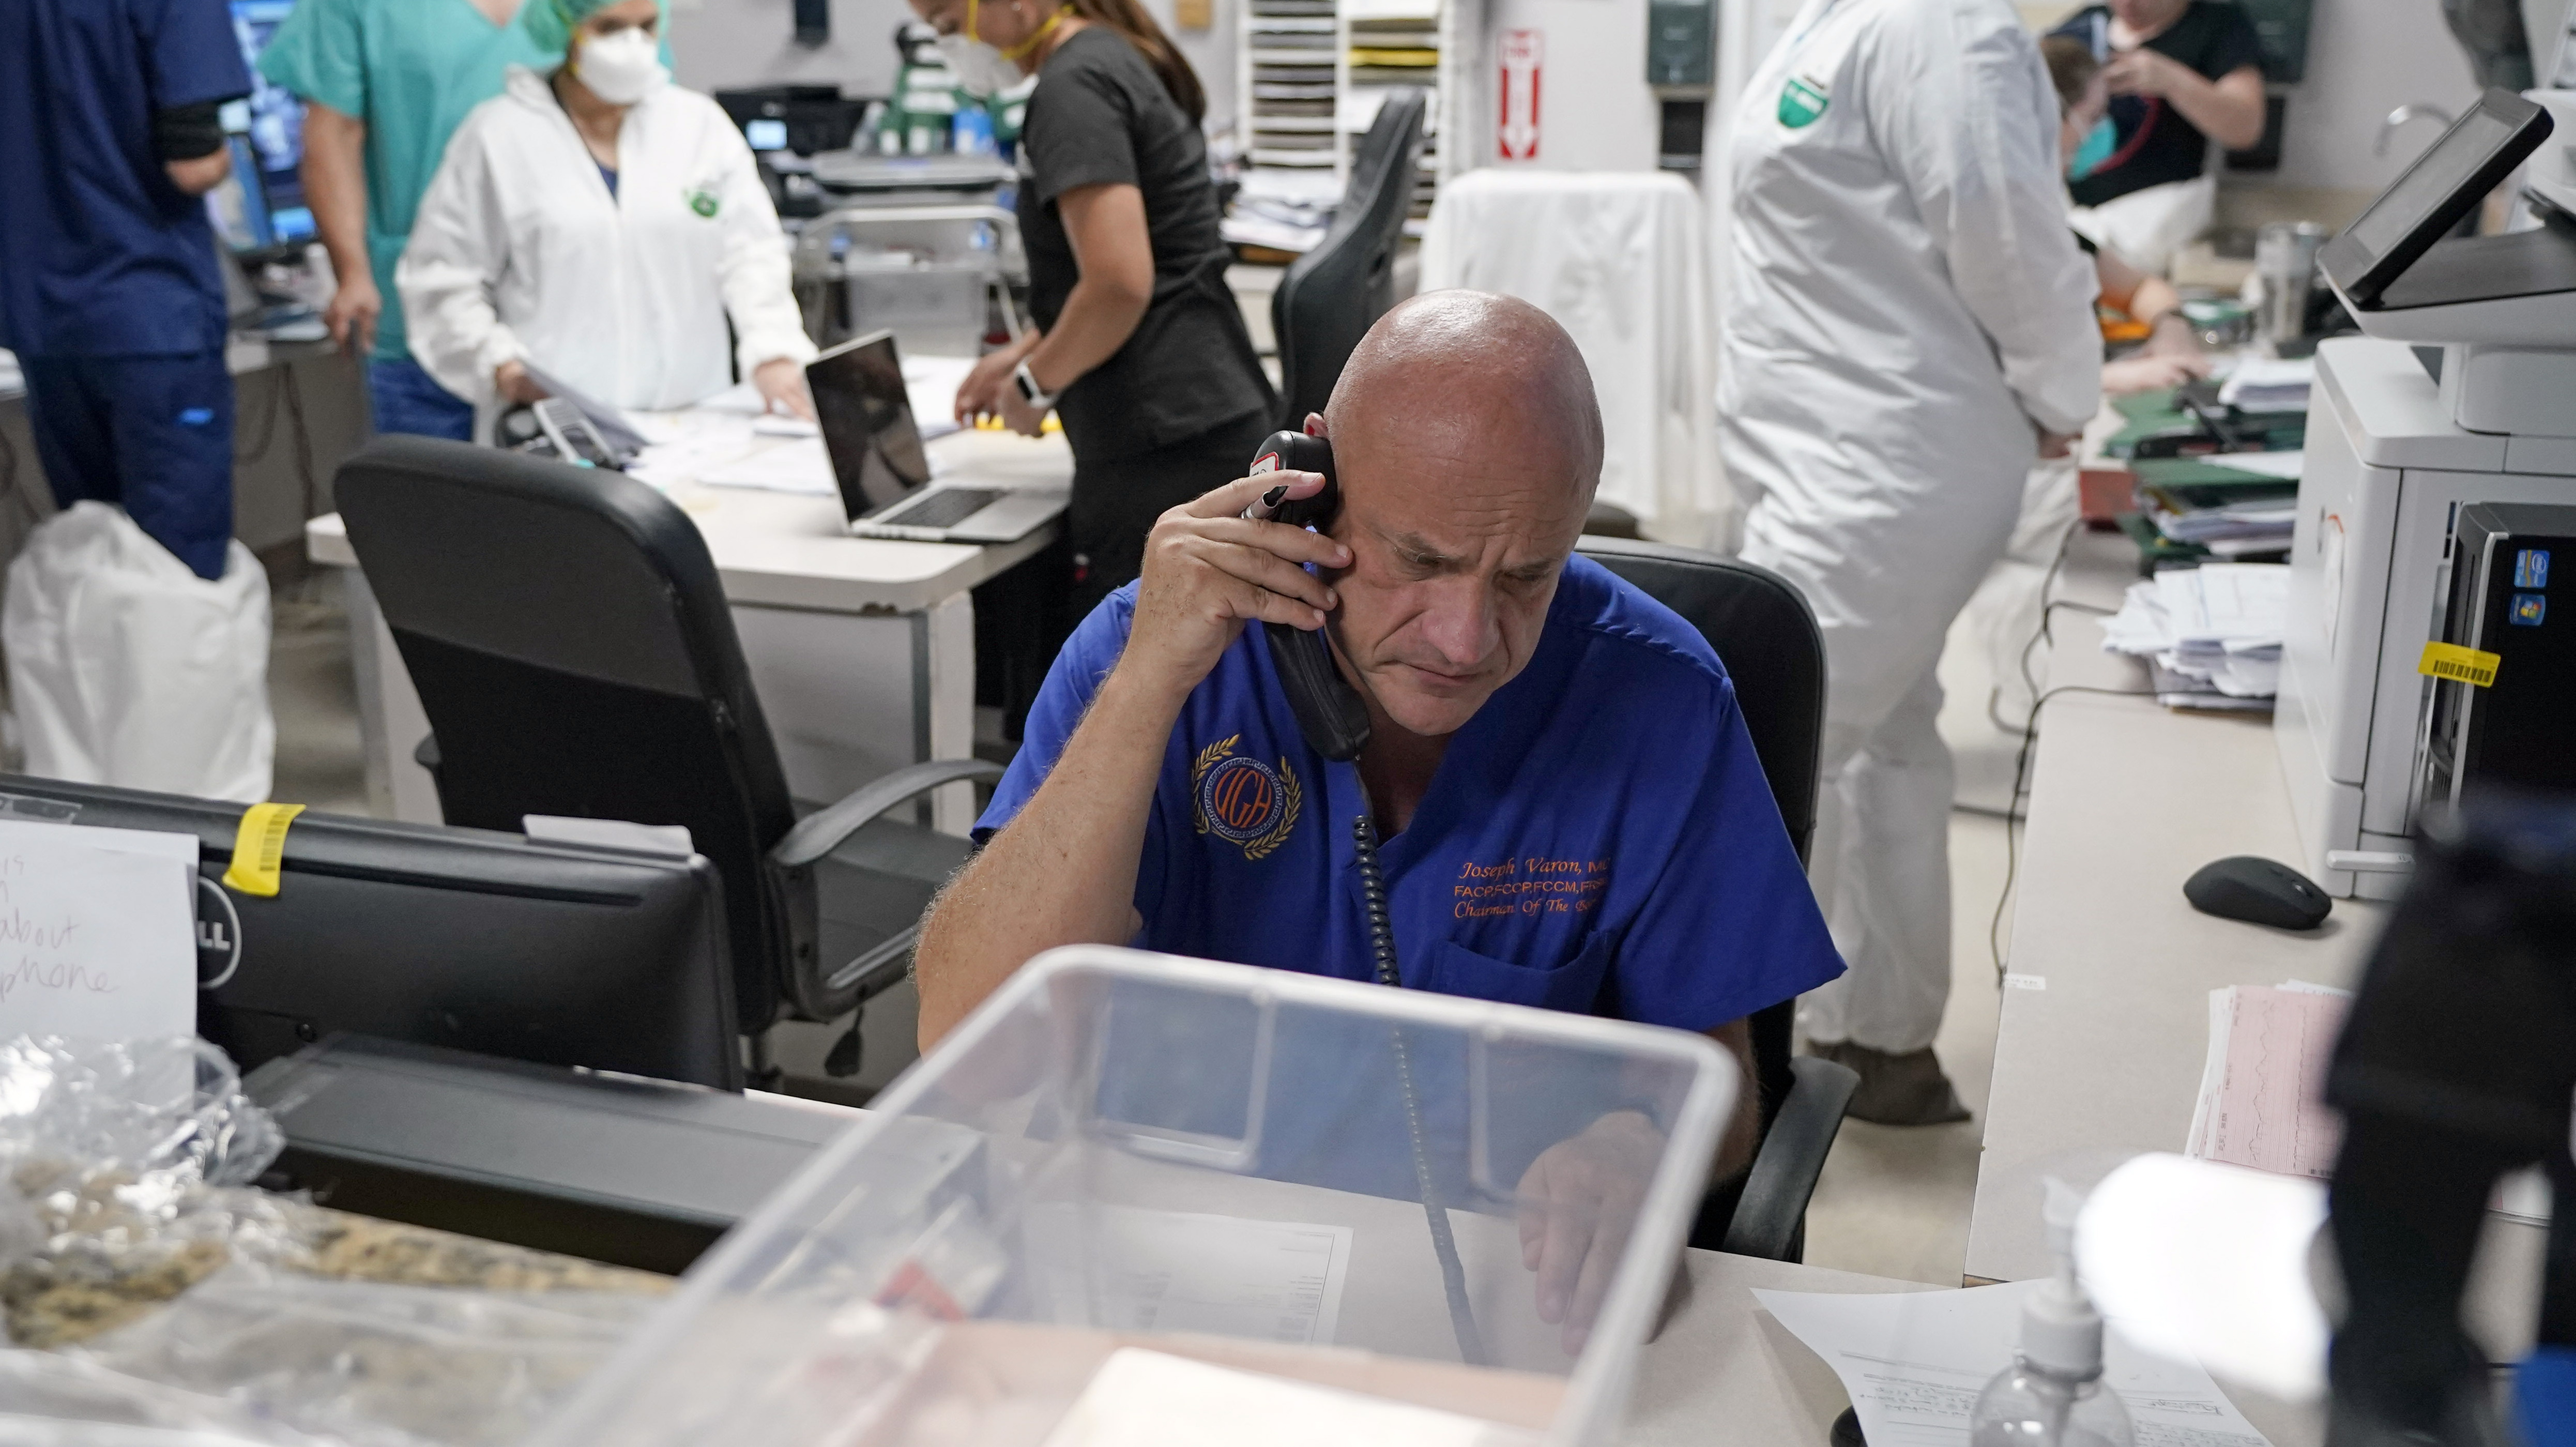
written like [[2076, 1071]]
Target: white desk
[[2104, 1062], [863, 650]]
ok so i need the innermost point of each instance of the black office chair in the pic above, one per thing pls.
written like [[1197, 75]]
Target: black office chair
[[1765, 634], [574, 653], [1333, 294]]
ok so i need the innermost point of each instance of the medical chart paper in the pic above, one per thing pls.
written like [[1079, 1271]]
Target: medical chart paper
[[1132, 1269], [1914, 1363], [2262, 1089]]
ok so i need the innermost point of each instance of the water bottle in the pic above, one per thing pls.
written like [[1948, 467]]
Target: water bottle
[[2053, 1394]]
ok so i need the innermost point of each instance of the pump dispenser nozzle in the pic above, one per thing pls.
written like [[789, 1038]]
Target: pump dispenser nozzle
[[2053, 1394]]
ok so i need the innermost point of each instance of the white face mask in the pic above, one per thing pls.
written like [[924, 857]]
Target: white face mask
[[980, 68], [621, 68]]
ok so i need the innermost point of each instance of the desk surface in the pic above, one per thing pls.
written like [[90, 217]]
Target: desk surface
[[790, 550], [2099, 1052]]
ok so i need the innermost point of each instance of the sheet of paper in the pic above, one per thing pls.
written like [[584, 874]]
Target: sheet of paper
[[798, 466], [1132, 1269], [1143, 1398], [1914, 1363], [2262, 1090], [2270, 464], [98, 932]]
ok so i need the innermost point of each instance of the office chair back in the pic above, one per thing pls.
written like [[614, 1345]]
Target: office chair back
[[1336, 292], [572, 647], [1766, 635]]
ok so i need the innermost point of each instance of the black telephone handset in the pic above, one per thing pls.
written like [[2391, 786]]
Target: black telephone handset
[[1329, 711]]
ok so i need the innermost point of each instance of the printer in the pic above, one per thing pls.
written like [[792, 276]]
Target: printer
[[2461, 392]]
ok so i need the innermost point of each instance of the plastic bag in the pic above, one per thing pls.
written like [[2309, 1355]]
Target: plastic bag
[[370, 1364], [126, 668], [111, 1156], [50, 1400]]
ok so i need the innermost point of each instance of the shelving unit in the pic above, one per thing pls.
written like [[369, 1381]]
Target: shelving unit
[[1313, 72]]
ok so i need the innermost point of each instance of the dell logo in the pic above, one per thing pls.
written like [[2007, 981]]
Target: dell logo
[[219, 941]]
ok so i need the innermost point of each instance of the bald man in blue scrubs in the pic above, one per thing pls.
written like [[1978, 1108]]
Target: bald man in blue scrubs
[[1571, 811]]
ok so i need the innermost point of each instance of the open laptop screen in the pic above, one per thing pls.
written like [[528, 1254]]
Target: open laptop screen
[[866, 417]]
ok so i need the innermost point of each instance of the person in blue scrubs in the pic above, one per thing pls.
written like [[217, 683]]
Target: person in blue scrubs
[[1571, 810], [109, 292]]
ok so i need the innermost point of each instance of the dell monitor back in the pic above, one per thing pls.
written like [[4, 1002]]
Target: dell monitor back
[[554, 953]]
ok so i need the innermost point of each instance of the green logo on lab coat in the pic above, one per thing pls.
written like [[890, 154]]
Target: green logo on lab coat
[[703, 202], [1802, 101]]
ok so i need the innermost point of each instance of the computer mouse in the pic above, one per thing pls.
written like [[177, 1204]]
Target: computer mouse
[[2258, 891]]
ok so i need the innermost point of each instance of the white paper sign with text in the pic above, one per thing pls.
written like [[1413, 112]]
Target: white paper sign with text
[[97, 932]]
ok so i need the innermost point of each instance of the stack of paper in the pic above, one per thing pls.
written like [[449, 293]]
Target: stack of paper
[[1282, 210], [2262, 1093], [2266, 384], [2219, 623]]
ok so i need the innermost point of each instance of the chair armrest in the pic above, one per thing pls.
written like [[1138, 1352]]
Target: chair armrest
[[1792, 1156], [820, 833]]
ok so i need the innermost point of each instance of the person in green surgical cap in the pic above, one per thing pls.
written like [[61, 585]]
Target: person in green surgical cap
[[384, 83]]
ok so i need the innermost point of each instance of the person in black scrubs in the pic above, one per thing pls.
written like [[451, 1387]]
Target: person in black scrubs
[[1139, 347], [2182, 73]]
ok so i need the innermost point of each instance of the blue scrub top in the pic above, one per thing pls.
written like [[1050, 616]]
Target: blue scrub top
[[1599, 837], [100, 256]]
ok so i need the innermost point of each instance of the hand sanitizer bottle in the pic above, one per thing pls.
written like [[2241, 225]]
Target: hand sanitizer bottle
[[2053, 1395]]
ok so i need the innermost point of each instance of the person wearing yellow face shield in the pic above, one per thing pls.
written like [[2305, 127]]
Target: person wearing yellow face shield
[[1138, 347], [601, 225]]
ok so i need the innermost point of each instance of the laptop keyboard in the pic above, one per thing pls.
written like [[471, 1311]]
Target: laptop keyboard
[[943, 509]]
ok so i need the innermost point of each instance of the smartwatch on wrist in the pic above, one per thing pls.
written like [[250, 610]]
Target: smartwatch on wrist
[[1030, 391]]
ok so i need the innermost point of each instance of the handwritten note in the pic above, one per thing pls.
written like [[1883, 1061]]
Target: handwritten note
[[97, 932]]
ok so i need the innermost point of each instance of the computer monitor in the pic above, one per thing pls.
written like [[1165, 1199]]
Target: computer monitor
[[262, 207], [555, 953], [866, 418], [2446, 183]]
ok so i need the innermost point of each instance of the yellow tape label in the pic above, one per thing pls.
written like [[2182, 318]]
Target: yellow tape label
[[2460, 665], [260, 848]]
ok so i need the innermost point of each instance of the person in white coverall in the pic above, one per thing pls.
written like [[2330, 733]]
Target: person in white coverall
[[1909, 325], [600, 224]]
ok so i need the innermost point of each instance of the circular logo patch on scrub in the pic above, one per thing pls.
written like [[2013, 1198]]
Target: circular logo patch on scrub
[[1244, 801], [1802, 102], [703, 202]]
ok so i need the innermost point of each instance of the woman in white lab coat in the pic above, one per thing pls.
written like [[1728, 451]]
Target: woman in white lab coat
[[600, 224]]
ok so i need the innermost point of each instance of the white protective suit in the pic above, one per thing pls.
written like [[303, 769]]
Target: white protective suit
[[520, 252], [1907, 307]]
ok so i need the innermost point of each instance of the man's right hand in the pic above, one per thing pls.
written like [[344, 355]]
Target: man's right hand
[[352, 314], [1209, 570]]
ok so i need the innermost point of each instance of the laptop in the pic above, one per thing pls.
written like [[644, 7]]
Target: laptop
[[884, 475]]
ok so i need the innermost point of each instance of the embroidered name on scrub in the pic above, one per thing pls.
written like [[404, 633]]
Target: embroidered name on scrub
[[1531, 885], [1803, 100]]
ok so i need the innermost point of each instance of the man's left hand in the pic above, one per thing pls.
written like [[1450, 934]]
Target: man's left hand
[[1578, 1203]]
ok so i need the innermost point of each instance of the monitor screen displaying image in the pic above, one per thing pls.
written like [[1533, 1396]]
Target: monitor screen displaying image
[[262, 207]]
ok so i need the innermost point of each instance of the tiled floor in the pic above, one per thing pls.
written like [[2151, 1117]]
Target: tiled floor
[[1892, 1202]]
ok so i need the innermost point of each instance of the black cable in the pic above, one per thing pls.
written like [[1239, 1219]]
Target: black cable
[[1453, 1275], [2013, 814]]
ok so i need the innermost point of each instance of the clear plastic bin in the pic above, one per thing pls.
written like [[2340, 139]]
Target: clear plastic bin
[[1215, 1162]]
